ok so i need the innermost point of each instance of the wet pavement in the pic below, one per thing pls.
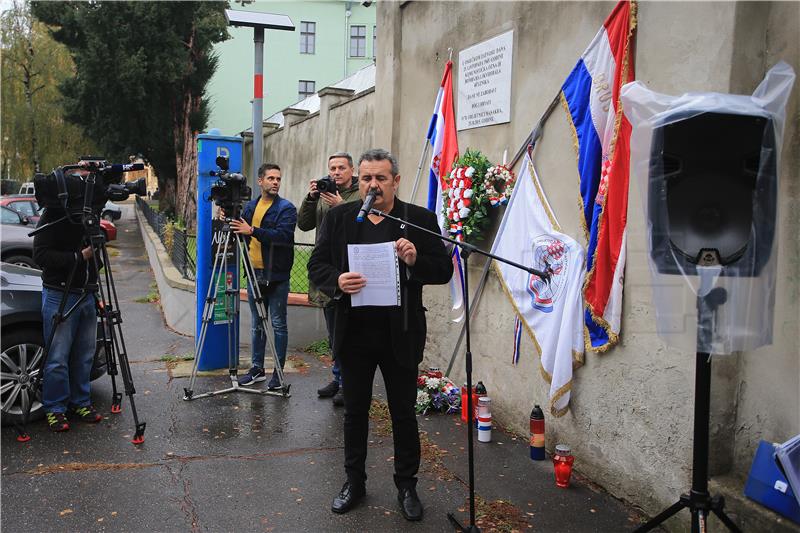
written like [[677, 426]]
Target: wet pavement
[[259, 463]]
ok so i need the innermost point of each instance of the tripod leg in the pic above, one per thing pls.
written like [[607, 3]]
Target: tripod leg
[[661, 517], [725, 519], [208, 312], [111, 360]]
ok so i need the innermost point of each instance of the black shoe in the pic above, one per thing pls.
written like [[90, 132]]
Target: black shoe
[[254, 375], [329, 390], [348, 497], [338, 399], [410, 506], [274, 383]]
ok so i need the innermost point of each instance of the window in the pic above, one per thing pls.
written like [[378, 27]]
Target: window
[[358, 41], [308, 37], [306, 88], [9, 216], [374, 41], [23, 206]]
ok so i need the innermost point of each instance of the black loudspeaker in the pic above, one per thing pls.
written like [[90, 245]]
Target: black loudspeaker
[[712, 193]]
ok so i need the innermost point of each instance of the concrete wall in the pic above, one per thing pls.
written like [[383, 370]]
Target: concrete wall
[[630, 420], [301, 148]]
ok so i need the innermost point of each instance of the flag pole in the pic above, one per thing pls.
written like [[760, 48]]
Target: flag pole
[[529, 144], [426, 144]]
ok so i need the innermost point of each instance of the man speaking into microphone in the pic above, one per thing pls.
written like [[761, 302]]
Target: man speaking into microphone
[[391, 337]]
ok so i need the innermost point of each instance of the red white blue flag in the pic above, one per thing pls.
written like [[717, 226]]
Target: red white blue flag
[[443, 139], [590, 96]]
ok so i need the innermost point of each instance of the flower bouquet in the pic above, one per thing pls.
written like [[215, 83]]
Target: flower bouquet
[[437, 393], [472, 186]]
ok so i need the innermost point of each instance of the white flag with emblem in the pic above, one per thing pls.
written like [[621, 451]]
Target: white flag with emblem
[[550, 311]]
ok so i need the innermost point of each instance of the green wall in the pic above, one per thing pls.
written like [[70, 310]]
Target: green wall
[[231, 89]]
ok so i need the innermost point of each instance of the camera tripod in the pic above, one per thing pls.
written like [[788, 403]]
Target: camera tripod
[[239, 250], [107, 304]]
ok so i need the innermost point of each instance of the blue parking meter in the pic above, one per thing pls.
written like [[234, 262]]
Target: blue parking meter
[[223, 329]]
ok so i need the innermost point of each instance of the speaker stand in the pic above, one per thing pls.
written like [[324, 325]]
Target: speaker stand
[[699, 501]]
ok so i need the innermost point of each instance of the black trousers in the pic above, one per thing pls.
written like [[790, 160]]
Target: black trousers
[[363, 353]]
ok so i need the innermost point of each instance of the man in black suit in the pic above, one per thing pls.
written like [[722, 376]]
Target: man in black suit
[[390, 337]]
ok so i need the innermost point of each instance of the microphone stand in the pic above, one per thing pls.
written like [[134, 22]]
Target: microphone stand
[[466, 250]]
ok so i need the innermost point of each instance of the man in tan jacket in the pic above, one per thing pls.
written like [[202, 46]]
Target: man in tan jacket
[[312, 210]]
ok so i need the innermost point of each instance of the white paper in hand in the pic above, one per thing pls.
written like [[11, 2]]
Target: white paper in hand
[[379, 264]]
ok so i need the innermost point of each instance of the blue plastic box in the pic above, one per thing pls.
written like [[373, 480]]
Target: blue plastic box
[[768, 486]]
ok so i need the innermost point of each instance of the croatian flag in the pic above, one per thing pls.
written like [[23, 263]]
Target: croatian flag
[[442, 136], [590, 96]]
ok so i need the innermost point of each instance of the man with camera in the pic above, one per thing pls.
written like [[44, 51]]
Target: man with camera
[[391, 337], [269, 222], [336, 188], [68, 271]]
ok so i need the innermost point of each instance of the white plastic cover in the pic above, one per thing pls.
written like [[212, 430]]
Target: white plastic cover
[[703, 186]]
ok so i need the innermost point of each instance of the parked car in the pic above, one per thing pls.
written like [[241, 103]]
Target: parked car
[[111, 211], [22, 341], [16, 246], [24, 204], [27, 188]]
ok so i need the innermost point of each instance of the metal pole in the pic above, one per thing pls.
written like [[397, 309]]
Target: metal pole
[[258, 104]]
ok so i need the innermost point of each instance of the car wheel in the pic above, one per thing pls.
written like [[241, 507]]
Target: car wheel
[[20, 360], [22, 260], [108, 216]]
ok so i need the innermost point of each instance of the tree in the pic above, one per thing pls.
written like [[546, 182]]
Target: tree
[[35, 135], [141, 73]]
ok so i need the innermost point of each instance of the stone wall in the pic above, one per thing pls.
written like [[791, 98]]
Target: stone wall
[[630, 421]]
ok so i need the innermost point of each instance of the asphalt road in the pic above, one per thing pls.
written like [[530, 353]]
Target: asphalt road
[[251, 463]]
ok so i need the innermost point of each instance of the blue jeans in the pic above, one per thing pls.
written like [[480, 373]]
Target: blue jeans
[[275, 296], [69, 363], [329, 319]]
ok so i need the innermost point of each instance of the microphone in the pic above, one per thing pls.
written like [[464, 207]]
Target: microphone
[[367, 205]]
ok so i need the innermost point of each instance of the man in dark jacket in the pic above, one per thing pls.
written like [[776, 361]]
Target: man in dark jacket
[[61, 250], [269, 222], [313, 209], [389, 337]]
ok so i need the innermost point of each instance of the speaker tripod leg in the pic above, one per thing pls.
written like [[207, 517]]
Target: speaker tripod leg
[[725, 519], [662, 516]]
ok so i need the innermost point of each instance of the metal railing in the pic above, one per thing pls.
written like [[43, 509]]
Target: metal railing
[[182, 249], [180, 245]]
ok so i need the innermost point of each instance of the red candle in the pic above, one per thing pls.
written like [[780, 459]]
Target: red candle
[[562, 463]]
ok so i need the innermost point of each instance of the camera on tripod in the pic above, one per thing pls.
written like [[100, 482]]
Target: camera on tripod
[[89, 184], [326, 184], [230, 191]]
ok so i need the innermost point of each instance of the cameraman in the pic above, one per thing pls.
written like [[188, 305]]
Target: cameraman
[[269, 221], [61, 251], [312, 211]]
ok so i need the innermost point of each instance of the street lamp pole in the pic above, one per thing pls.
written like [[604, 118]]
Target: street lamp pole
[[259, 22]]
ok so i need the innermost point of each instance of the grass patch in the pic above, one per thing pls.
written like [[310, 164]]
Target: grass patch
[[112, 252], [320, 347], [152, 297], [189, 356]]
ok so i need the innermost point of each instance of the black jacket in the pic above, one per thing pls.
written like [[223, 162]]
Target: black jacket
[[276, 235], [433, 267], [58, 248]]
